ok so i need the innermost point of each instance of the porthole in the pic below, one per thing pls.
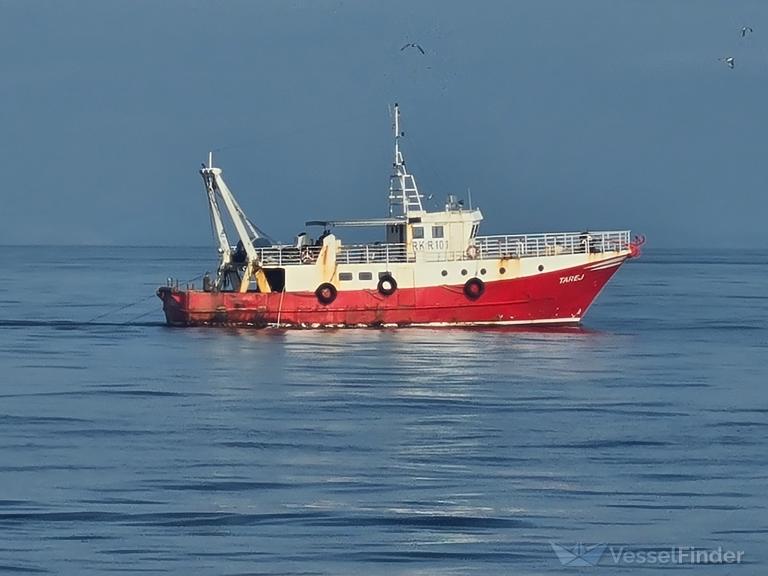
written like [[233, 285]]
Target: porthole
[[502, 270], [444, 272], [482, 271], [541, 267], [464, 272]]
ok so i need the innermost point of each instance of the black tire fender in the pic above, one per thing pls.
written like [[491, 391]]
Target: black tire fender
[[387, 285], [474, 288], [326, 293]]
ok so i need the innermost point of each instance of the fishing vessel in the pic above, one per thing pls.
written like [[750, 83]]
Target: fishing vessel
[[429, 268]]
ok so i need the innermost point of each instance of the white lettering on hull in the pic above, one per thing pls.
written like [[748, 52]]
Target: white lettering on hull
[[573, 278], [428, 245]]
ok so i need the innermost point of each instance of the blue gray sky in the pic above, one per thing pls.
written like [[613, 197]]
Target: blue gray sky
[[559, 115]]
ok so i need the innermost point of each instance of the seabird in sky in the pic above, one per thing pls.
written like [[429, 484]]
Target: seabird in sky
[[745, 30], [413, 45], [730, 61]]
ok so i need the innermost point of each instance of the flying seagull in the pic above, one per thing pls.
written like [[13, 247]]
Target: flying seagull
[[745, 30], [413, 45], [728, 61]]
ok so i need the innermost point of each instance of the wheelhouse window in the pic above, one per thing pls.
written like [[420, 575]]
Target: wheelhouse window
[[418, 232], [437, 232], [346, 276]]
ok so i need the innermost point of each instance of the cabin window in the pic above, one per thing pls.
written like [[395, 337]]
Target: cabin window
[[474, 231], [418, 232], [365, 276], [345, 276], [437, 232]]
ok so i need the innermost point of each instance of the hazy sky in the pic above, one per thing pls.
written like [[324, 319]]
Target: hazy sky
[[560, 115]]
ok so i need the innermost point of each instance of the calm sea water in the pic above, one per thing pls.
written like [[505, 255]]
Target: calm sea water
[[130, 447]]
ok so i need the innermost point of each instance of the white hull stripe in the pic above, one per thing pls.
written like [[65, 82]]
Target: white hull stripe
[[504, 322], [612, 265], [569, 321], [606, 263]]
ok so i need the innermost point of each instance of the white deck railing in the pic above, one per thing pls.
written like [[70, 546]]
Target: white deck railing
[[509, 246], [351, 254], [525, 245]]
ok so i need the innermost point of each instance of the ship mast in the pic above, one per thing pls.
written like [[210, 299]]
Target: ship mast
[[403, 193]]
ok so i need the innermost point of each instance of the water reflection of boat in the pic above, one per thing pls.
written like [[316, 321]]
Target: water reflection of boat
[[432, 269]]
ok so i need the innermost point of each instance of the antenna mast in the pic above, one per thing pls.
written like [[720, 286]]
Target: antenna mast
[[403, 192]]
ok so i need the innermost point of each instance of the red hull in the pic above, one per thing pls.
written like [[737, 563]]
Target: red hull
[[542, 298]]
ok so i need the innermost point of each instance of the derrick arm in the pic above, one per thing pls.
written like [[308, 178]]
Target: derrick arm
[[216, 186], [218, 225], [254, 231]]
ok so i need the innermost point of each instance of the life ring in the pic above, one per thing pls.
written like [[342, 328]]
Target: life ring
[[387, 285], [474, 288], [472, 252], [634, 246], [326, 293]]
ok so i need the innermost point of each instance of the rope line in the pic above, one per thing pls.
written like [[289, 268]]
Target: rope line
[[121, 308], [280, 307], [132, 304], [140, 316]]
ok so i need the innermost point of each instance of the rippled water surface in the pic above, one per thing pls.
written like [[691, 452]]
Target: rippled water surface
[[127, 446]]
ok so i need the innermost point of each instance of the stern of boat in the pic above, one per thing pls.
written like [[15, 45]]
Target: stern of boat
[[174, 305]]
